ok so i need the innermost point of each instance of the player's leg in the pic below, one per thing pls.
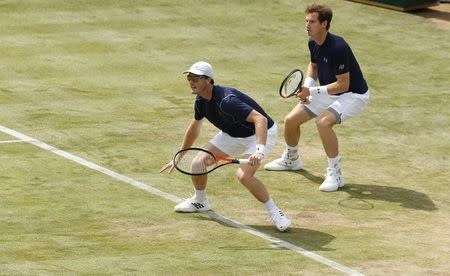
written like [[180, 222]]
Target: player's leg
[[199, 201], [246, 176], [345, 107], [246, 172], [292, 123], [324, 123], [290, 159]]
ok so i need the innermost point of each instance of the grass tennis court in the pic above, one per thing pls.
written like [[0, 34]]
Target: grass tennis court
[[101, 81]]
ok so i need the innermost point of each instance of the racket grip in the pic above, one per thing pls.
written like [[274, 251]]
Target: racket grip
[[243, 161]]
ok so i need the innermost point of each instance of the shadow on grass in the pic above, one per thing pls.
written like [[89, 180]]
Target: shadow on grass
[[405, 197], [311, 177], [360, 194], [307, 239], [434, 13]]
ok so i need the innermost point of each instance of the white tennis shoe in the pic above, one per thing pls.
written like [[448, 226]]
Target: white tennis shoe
[[192, 205], [333, 180], [284, 164], [280, 220]]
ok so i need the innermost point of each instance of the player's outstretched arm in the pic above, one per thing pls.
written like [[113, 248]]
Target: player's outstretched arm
[[191, 134]]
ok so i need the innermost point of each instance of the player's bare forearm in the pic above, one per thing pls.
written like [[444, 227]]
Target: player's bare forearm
[[260, 126], [312, 71], [341, 84], [192, 133], [261, 132], [260, 122]]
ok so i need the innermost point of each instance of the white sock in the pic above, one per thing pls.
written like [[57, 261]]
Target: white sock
[[270, 205], [200, 195], [334, 162], [292, 152]]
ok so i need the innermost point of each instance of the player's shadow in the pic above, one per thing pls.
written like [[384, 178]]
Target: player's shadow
[[405, 197], [360, 192], [310, 240], [311, 177], [435, 13]]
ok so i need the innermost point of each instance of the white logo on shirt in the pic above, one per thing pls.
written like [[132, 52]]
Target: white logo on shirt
[[341, 66]]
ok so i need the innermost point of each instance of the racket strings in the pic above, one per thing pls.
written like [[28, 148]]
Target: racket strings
[[291, 84], [195, 162]]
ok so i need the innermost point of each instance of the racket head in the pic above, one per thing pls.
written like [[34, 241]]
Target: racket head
[[291, 83], [195, 161]]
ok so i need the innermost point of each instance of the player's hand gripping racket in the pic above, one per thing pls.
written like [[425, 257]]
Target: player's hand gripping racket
[[198, 161], [291, 83]]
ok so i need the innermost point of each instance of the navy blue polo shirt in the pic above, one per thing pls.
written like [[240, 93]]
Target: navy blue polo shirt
[[228, 109], [335, 57]]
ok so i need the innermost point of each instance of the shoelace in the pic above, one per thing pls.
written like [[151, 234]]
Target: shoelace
[[276, 216], [289, 158], [333, 172], [192, 199], [186, 198]]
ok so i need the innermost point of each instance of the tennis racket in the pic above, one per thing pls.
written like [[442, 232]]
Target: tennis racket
[[291, 83], [198, 161]]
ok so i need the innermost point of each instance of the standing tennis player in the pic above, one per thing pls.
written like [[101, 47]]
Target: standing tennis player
[[342, 94], [244, 129]]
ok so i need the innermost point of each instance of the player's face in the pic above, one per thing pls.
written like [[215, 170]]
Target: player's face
[[197, 83], [313, 25]]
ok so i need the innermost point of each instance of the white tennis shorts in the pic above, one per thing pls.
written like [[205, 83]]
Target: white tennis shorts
[[344, 106], [234, 146]]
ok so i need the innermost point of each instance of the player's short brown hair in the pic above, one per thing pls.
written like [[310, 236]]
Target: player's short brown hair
[[325, 13]]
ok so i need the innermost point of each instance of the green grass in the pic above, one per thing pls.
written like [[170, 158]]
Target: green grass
[[102, 80]]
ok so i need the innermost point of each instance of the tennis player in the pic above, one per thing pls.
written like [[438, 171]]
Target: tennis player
[[342, 94], [244, 129]]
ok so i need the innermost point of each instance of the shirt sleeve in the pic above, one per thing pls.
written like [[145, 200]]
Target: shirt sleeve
[[342, 60], [311, 49], [199, 112]]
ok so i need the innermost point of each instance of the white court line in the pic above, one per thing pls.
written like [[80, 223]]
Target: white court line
[[173, 198], [11, 141]]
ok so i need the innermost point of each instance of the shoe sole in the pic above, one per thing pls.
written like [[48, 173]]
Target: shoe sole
[[286, 228], [283, 170], [340, 186], [191, 211]]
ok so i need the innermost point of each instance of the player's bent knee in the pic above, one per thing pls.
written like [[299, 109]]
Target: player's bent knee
[[325, 122], [197, 164], [296, 118], [291, 122]]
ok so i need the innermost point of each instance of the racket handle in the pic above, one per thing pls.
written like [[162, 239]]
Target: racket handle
[[243, 161]]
